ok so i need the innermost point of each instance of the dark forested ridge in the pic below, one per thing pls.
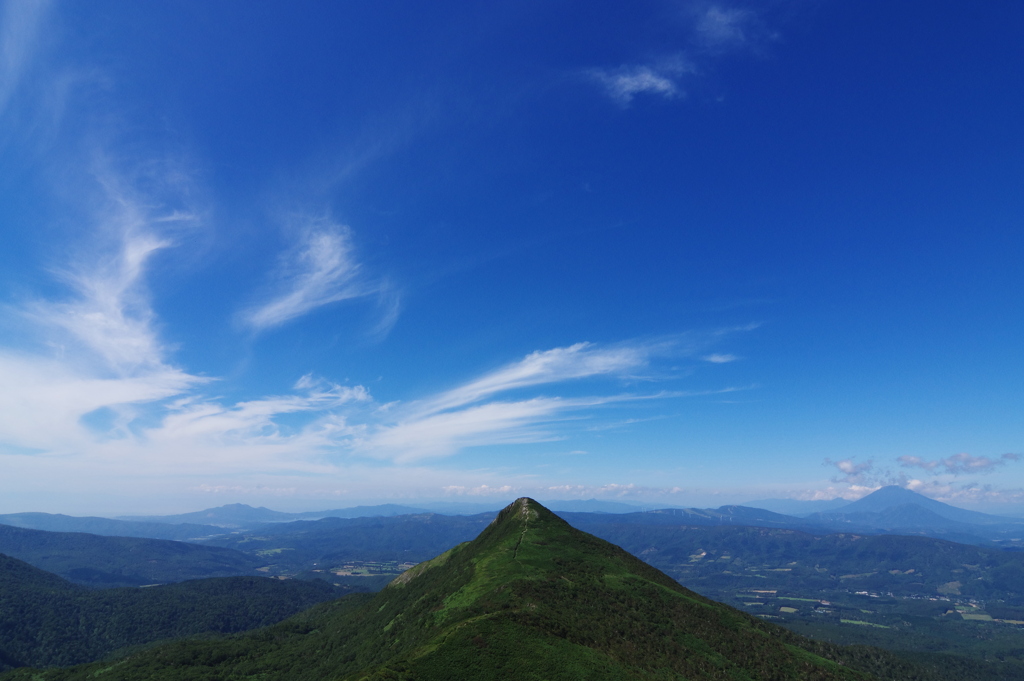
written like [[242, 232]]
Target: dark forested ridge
[[45, 620], [122, 561]]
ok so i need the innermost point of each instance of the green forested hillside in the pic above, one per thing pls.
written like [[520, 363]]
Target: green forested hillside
[[45, 620], [122, 561], [530, 598]]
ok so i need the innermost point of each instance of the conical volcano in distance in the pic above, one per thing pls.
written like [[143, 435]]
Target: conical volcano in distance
[[531, 598]]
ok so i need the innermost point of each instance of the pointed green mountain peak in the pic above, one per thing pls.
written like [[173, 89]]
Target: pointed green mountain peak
[[506, 549], [522, 511]]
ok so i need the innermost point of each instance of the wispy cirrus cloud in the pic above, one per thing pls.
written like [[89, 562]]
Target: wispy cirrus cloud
[[45, 399], [623, 83], [108, 390], [580, 360], [109, 311], [471, 415], [254, 421], [319, 270], [103, 346], [101, 390], [20, 29], [706, 31], [421, 435], [721, 28], [719, 358]]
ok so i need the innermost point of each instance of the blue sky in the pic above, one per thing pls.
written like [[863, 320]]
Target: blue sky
[[310, 255]]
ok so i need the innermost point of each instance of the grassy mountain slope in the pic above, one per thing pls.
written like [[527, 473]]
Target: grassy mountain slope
[[122, 561], [45, 620], [530, 598]]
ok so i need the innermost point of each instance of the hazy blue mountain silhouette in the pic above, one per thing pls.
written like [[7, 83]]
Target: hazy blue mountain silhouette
[[102, 561], [797, 507], [894, 496], [238, 515], [56, 522], [229, 515]]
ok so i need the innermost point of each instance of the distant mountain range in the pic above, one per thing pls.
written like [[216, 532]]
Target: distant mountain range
[[892, 510], [242, 515], [893, 497], [796, 507], [313, 548], [895, 510], [530, 597], [887, 509]]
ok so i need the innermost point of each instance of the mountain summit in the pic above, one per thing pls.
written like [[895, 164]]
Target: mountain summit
[[529, 598], [893, 496]]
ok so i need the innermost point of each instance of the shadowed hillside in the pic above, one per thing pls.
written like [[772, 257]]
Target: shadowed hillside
[[45, 620], [122, 561]]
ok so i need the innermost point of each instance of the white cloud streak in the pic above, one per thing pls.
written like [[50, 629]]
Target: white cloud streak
[[713, 30], [456, 419], [548, 366], [44, 400], [110, 399], [624, 83], [20, 24], [722, 28], [110, 314], [111, 392], [719, 358], [108, 352], [253, 421], [427, 435], [321, 269]]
